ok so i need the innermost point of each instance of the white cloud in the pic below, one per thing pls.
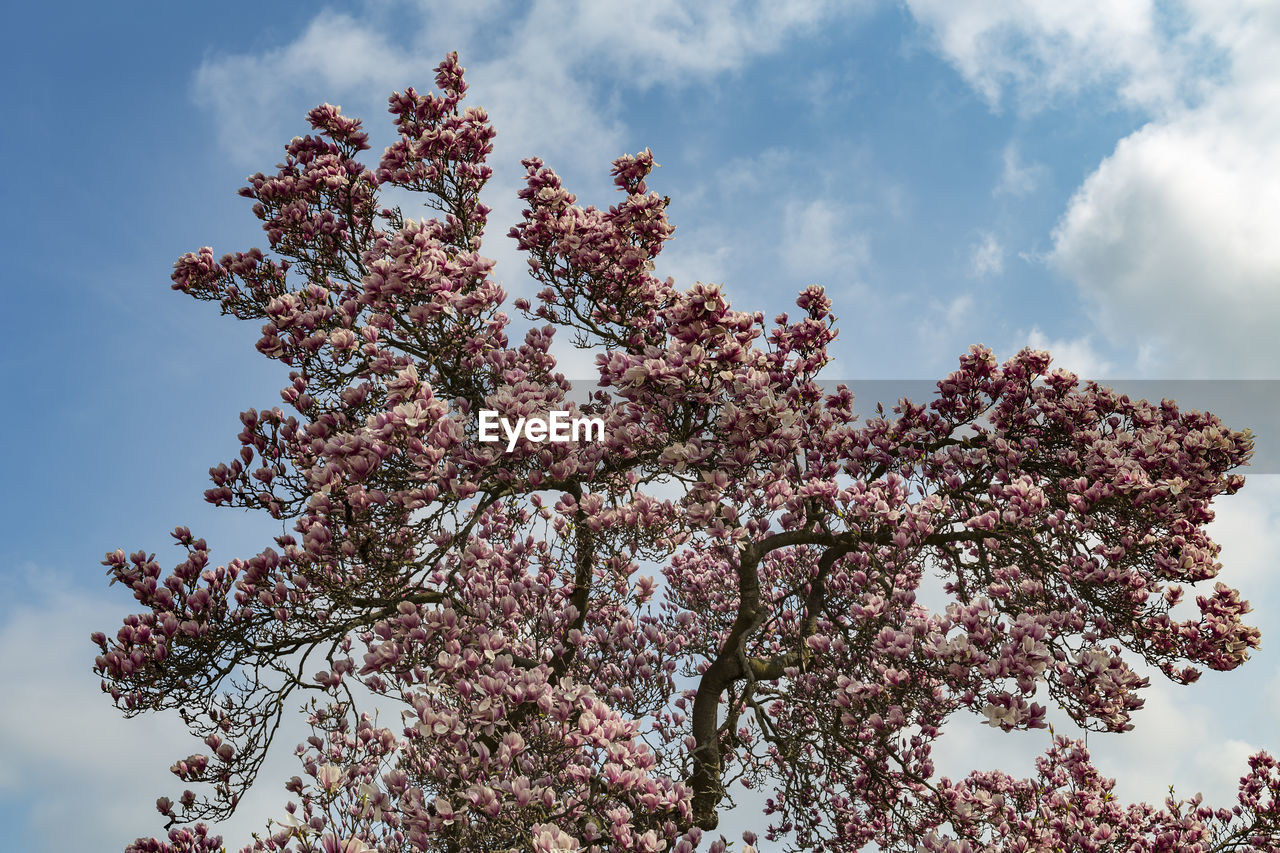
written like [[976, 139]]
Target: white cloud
[[1042, 51], [819, 240], [1016, 177], [986, 258], [1247, 525], [545, 74], [67, 750], [827, 89], [1077, 355], [820, 235], [1209, 760], [1172, 238], [941, 328], [258, 101], [704, 255], [70, 751], [958, 310], [667, 41], [1140, 760]]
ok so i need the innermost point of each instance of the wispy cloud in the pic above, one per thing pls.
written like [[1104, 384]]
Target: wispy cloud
[[1040, 52], [819, 240], [548, 69], [986, 257], [255, 98], [1018, 178]]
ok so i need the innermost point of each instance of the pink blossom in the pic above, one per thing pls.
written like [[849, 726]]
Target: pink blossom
[[536, 676]]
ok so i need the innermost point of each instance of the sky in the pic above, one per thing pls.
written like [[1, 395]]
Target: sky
[[1101, 180]]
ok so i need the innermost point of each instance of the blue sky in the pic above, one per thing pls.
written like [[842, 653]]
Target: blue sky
[[1102, 180]]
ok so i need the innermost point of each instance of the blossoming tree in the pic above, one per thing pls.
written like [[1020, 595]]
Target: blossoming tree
[[595, 644]]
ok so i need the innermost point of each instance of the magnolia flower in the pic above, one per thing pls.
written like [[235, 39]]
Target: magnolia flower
[[548, 838], [329, 776], [1000, 716], [331, 844]]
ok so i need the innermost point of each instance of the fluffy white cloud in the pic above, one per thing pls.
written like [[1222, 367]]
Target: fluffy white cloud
[[1171, 239], [1175, 741], [957, 311], [787, 215]]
